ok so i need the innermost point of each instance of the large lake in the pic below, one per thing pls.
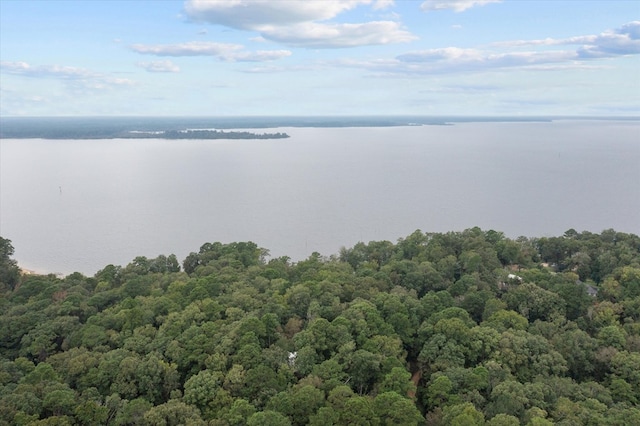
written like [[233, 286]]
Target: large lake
[[79, 205]]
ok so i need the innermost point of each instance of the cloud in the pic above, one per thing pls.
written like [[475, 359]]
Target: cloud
[[528, 102], [265, 70], [260, 55], [473, 59], [270, 69], [620, 42], [455, 5], [383, 4], [300, 23], [253, 14], [616, 109], [339, 35], [159, 66], [463, 88], [223, 51], [192, 48], [76, 76]]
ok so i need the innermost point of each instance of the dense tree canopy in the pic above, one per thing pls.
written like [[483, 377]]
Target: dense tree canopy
[[458, 328]]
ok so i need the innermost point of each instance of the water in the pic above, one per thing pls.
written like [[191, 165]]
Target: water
[[78, 205]]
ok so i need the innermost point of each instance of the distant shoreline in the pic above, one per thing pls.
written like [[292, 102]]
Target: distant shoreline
[[205, 128], [195, 134], [200, 134], [25, 271]]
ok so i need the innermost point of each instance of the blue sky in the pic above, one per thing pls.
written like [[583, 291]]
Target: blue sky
[[351, 57]]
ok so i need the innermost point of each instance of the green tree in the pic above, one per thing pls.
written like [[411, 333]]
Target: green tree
[[626, 366], [528, 355], [464, 414], [305, 401], [440, 392], [394, 409], [534, 302], [173, 413], [240, 412], [363, 369], [132, 412], [503, 320], [204, 391], [578, 349], [629, 279], [9, 271], [91, 413], [398, 381], [503, 420], [268, 418], [59, 402], [508, 397]]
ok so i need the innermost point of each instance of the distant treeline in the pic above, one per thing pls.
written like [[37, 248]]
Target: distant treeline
[[100, 133], [202, 134], [116, 127]]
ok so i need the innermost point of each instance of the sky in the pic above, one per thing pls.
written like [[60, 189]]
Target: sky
[[325, 57]]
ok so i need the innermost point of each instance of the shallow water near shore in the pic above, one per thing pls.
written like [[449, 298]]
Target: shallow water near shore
[[78, 205]]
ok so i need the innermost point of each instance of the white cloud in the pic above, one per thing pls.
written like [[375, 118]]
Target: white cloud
[[474, 58], [573, 65], [223, 51], [270, 69], [452, 59], [455, 5], [15, 67], [253, 14], [78, 76], [300, 23], [192, 48], [159, 66], [265, 70], [339, 35], [383, 4], [464, 88], [260, 55], [622, 41]]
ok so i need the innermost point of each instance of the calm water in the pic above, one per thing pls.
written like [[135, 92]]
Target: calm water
[[78, 205]]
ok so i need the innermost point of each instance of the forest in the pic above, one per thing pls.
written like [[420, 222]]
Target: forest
[[57, 128], [457, 328], [201, 134]]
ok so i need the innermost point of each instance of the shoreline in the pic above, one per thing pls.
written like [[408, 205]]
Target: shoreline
[[25, 271]]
